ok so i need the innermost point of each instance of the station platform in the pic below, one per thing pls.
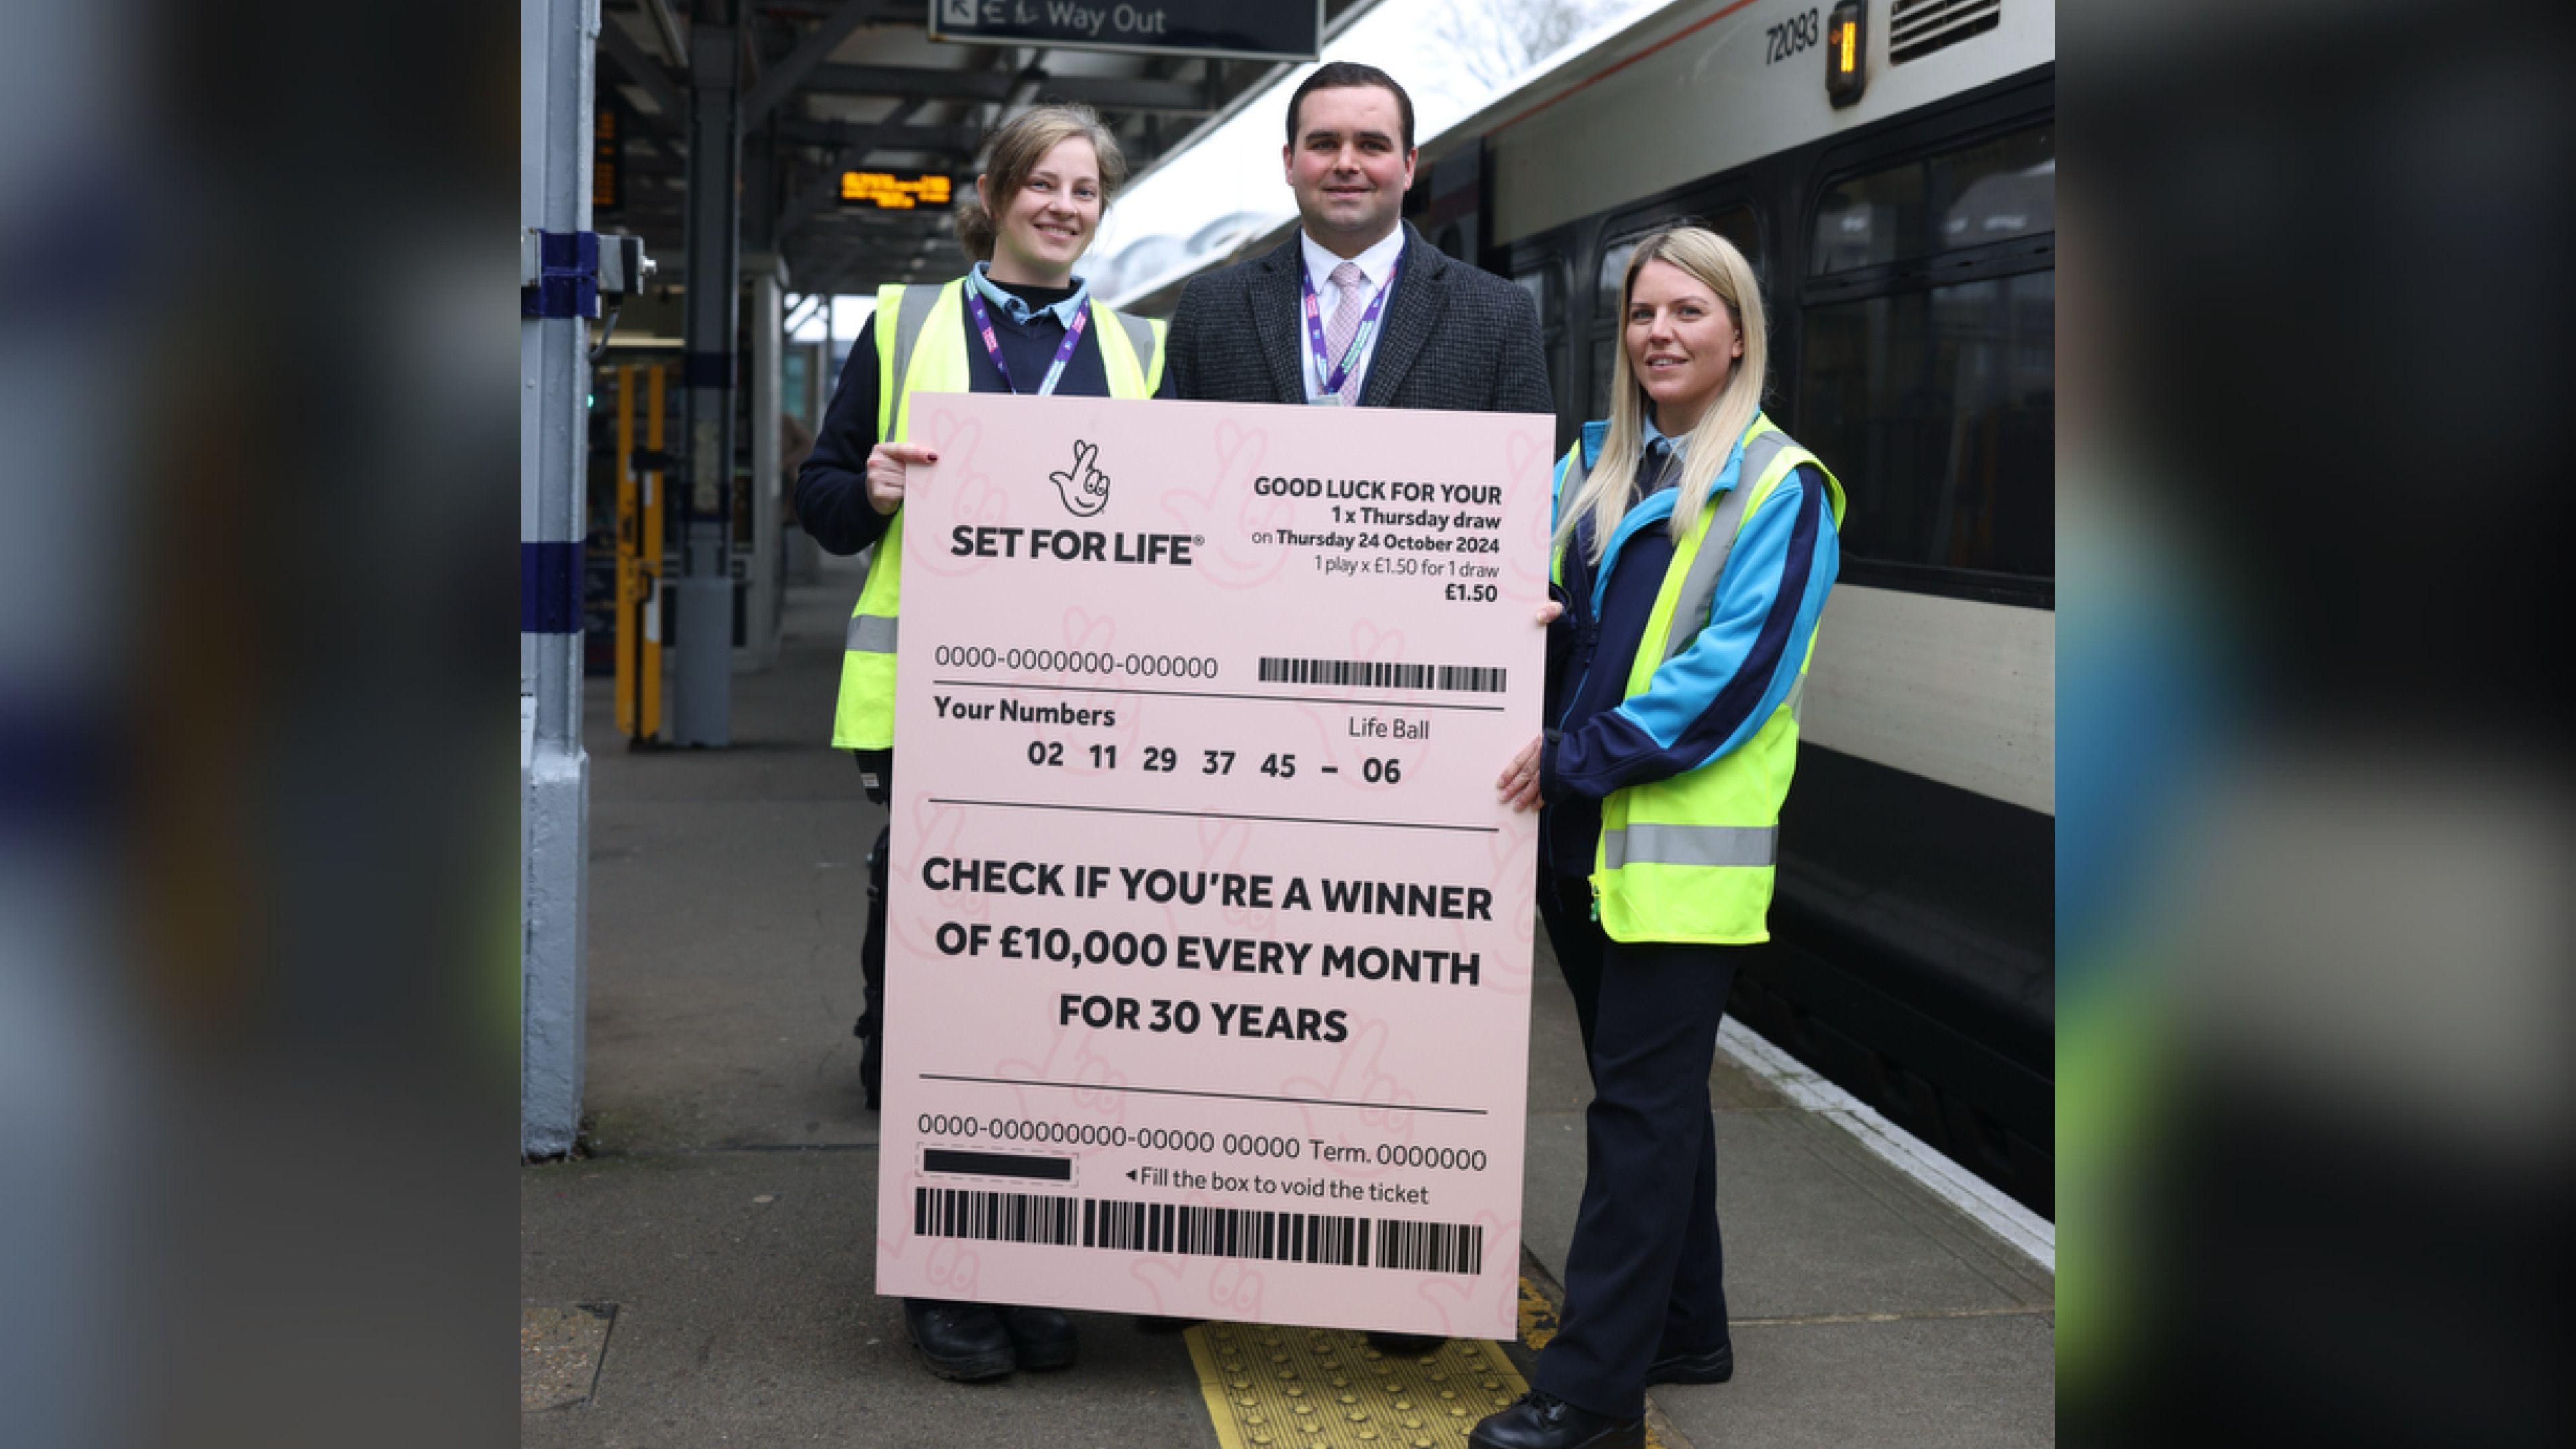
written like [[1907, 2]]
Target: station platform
[[704, 1274]]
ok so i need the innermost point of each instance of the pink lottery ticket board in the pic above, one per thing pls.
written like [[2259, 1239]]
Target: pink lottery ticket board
[[1208, 948]]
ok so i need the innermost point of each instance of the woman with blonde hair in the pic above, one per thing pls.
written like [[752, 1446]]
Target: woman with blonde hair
[[1694, 547], [1018, 322]]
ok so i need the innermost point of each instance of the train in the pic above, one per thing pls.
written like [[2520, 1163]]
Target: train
[[1889, 167]]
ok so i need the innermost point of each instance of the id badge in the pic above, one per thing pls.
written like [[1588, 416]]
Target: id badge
[[1328, 400]]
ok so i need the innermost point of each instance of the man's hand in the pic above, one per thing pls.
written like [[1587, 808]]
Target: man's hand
[[886, 462]]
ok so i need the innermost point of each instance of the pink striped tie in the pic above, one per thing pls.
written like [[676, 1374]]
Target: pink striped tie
[[1347, 279]]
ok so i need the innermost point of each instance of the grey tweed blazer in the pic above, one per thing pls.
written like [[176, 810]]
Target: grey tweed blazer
[[1453, 337]]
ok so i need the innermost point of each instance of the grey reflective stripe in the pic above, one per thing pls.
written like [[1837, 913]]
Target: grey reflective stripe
[[1797, 698], [870, 634], [910, 317], [1140, 336], [1747, 845], [1699, 586], [1577, 469]]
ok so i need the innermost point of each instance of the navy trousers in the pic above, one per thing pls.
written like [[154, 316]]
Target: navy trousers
[[1646, 1276]]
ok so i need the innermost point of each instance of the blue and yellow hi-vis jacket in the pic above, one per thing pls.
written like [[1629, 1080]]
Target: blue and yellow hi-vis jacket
[[1674, 689]]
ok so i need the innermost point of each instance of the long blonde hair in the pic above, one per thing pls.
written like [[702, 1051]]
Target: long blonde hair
[[1016, 149], [1609, 490]]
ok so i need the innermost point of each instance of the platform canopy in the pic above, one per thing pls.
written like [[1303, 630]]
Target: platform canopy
[[834, 87]]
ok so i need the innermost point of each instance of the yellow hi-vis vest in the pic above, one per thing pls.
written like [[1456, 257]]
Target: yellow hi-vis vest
[[921, 341], [1690, 858]]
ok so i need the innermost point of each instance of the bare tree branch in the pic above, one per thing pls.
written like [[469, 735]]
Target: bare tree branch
[[1496, 41]]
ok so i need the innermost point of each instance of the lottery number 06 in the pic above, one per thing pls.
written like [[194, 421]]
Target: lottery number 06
[[1381, 772]]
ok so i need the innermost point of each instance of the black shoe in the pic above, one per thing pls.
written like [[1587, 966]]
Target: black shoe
[[1164, 1323], [1544, 1421], [961, 1341], [871, 1059], [1404, 1345], [1709, 1366], [1041, 1338]]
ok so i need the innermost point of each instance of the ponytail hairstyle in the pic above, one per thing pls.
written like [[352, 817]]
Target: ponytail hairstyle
[[1014, 151], [1609, 490]]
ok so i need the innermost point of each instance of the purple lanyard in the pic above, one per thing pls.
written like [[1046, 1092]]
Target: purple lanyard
[[1368, 324], [993, 348]]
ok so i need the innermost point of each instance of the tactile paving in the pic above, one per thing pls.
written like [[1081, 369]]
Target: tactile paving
[[1273, 1387], [1538, 1317]]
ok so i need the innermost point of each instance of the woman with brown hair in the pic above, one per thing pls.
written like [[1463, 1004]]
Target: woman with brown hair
[[1018, 322]]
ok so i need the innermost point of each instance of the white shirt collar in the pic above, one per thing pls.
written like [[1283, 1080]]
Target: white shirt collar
[[1375, 263]]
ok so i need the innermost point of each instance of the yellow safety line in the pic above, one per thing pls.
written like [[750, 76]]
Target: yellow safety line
[[1271, 1387], [1275, 1387]]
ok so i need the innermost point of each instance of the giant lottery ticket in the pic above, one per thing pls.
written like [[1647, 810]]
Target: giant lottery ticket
[[1208, 960]]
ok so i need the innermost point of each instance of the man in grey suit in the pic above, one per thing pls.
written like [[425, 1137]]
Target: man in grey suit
[[1357, 309], [1393, 322]]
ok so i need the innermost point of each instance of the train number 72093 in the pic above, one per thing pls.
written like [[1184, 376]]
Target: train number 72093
[[1797, 33]]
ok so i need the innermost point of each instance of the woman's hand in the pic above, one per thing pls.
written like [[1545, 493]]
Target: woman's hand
[[1518, 784], [885, 472]]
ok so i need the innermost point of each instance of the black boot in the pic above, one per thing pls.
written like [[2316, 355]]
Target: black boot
[[871, 1024], [871, 1052], [1708, 1366], [1041, 1338], [1544, 1421], [961, 1341]]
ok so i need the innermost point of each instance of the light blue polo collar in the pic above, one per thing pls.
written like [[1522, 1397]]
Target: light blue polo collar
[[1020, 311], [1655, 507], [1597, 432]]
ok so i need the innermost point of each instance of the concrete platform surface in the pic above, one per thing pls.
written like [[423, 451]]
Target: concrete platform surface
[[712, 1258]]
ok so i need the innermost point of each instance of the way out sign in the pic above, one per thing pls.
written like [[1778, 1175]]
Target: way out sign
[[1277, 30]]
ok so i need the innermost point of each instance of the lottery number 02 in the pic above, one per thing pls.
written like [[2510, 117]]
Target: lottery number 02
[[1045, 752]]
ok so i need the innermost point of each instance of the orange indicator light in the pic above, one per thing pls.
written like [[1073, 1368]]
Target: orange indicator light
[[1846, 56]]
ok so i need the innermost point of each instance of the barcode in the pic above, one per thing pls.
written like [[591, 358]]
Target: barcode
[[1209, 1232], [1380, 674]]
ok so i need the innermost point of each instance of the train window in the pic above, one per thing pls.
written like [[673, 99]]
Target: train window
[[1992, 192], [1613, 275], [1544, 280], [1861, 219], [1995, 192], [1540, 283], [1937, 408]]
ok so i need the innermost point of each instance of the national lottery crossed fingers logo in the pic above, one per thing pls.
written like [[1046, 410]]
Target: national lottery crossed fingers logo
[[1083, 487]]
